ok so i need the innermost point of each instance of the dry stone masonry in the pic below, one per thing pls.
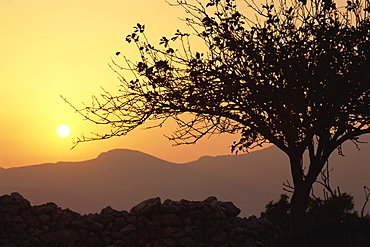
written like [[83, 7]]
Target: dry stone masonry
[[151, 223]]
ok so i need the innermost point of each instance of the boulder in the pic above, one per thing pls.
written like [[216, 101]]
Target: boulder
[[230, 209], [169, 220], [63, 235], [149, 206]]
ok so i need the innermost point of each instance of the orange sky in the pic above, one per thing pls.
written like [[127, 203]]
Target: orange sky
[[50, 48]]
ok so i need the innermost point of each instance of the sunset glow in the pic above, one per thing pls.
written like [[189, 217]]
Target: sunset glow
[[63, 130], [53, 48]]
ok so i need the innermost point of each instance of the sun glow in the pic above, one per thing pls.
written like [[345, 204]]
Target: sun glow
[[63, 130]]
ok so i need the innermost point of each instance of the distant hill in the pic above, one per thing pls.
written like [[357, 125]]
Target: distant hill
[[122, 178]]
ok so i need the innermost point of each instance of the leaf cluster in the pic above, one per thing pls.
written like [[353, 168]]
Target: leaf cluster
[[297, 71], [329, 222]]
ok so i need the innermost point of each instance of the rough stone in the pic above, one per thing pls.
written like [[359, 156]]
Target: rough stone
[[82, 234], [34, 241], [105, 219], [64, 235], [196, 214], [250, 242], [174, 223], [16, 197], [179, 234], [211, 199], [259, 228], [146, 207], [44, 218], [79, 224], [218, 238], [265, 222], [168, 241], [170, 206], [169, 220], [14, 228], [17, 219], [120, 221], [5, 218], [47, 208], [128, 228], [187, 242], [108, 211], [64, 219], [24, 204], [93, 241], [96, 226], [132, 220], [29, 218], [230, 209], [158, 243], [5, 200], [11, 209]]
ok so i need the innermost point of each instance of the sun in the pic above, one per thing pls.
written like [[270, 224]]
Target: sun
[[63, 130]]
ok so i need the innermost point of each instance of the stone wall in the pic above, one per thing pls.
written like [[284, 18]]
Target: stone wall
[[150, 223]]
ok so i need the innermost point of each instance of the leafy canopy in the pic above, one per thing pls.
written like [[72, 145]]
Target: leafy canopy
[[294, 74]]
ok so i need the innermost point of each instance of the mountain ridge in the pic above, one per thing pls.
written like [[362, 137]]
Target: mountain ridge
[[99, 156], [123, 177]]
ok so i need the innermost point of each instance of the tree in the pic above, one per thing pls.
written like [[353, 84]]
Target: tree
[[297, 76]]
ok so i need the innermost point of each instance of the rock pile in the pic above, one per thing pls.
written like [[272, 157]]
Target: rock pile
[[150, 223]]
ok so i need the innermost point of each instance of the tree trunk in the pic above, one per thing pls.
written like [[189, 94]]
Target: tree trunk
[[299, 203]]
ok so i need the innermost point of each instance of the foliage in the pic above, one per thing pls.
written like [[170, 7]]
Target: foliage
[[330, 222], [297, 75], [330, 211], [298, 67], [278, 211]]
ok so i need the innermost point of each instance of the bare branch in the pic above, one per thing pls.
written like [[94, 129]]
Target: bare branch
[[367, 198]]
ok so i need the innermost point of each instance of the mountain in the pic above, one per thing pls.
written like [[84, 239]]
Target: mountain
[[122, 178]]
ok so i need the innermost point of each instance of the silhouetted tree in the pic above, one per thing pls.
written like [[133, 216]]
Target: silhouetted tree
[[295, 74]]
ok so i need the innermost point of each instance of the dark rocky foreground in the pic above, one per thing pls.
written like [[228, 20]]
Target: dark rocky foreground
[[150, 223]]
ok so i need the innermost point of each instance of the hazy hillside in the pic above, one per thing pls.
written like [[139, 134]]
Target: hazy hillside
[[122, 178]]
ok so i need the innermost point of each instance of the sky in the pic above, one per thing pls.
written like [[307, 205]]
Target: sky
[[50, 48]]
